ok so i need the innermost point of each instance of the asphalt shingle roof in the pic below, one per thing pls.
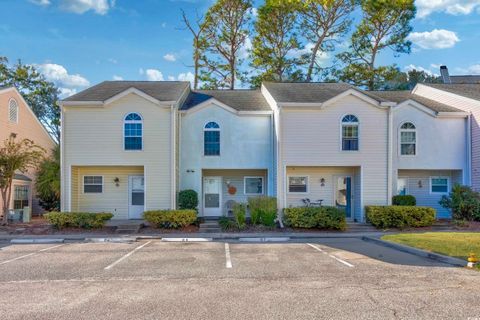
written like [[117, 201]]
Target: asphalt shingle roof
[[312, 92], [400, 96], [465, 79], [240, 100], [471, 90], [160, 90]]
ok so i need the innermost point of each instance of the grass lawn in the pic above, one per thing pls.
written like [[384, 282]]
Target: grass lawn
[[455, 244]]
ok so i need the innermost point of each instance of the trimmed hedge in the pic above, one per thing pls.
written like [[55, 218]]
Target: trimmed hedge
[[405, 200], [188, 199], [400, 216], [84, 220], [315, 217], [171, 219]]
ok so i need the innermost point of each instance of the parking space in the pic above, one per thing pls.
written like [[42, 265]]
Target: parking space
[[218, 280]]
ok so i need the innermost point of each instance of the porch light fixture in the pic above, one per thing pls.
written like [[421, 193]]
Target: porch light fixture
[[322, 182], [190, 171], [420, 184], [117, 181]]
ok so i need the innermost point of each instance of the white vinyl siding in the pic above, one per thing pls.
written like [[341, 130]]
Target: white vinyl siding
[[103, 145], [311, 138]]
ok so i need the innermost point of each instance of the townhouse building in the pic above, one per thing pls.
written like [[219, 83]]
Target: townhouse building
[[132, 146]]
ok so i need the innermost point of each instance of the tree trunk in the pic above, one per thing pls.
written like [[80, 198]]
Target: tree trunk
[[313, 58]]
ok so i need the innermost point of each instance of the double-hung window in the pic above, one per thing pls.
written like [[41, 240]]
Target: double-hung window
[[92, 184], [211, 139], [298, 184], [350, 133], [439, 184], [253, 185], [133, 132], [408, 139]]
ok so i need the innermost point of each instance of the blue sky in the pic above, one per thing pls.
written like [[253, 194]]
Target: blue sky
[[78, 43]]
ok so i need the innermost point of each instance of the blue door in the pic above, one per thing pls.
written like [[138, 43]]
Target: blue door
[[343, 195]]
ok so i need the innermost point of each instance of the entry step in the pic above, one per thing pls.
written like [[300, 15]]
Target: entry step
[[210, 226]]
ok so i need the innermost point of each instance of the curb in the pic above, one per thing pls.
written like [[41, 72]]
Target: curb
[[113, 239], [418, 252], [36, 241]]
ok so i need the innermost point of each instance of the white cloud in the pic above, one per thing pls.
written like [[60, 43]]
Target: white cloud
[[81, 6], [117, 78], [59, 75], [43, 3], [245, 49], [68, 84], [170, 57], [152, 74], [186, 77], [435, 39], [419, 68], [111, 60], [473, 69], [453, 7]]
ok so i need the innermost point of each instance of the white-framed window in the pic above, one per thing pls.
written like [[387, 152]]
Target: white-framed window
[[253, 185], [298, 184], [13, 110], [133, 132], [350, 133], [92, 184], [439, 184], [402, 186], [211, 139], [408, 139]]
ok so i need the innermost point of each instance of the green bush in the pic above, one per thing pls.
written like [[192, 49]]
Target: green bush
[[263, 210], [226, 224], [171, 219], [187, 199], [315, 217], [400, 216], [464, 203], [239, 214], [84, 220], [404, 200]]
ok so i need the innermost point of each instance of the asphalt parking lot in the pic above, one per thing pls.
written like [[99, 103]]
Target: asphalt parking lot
[[321, 279]]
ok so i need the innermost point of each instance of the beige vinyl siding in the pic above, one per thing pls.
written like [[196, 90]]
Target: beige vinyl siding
[[464, 104], [75, 188], [315, 191], [357, 194], [423, 195], [93, 136], [113, 199], [236, 179], [313, 138]]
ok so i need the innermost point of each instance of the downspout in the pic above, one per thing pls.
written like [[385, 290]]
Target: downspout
[[62, 163], [173, 164], [469, 151], [390, 156]]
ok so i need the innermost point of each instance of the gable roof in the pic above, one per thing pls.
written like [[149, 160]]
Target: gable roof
[[240, 100], [159, 90], [471, 90], [311, 92], [404, 95]]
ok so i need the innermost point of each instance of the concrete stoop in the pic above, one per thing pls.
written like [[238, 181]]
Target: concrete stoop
[[129, 228], [360, 227], [210, 226]]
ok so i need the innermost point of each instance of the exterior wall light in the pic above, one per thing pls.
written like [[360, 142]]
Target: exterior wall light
[[420, 185], [117, 181], [322, 182]]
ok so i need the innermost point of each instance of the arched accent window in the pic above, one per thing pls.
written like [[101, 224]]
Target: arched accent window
[[211, 139], [408, 139], [133, 132], [13, 110], [350, 133]]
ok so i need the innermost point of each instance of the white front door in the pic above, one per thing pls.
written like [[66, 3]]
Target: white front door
[[212, 196], [136, 197]]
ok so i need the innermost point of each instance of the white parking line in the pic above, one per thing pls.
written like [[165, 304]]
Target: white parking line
[[228, 263], [126, 256], [31, 254], [331, 256]]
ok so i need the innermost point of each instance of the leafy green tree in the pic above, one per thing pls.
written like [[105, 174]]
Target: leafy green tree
[[385, 25], [323, 23], [40, 94], [226, 29], [48, 181], [408, 80], [16, 156], [275, 40]]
